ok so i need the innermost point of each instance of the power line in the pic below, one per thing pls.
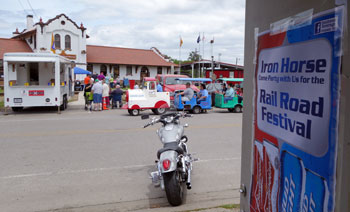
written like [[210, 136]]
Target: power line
[[23, 7], [32, 9]]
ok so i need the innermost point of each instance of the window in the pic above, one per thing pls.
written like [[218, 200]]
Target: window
[[57, 41], [103, 68], [159, 70], [67, 42], [89, 67], [231, 74], [128, 70], [34, 73], [152, 85]]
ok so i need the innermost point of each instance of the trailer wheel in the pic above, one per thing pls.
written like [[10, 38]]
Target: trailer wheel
[[159, 111], [134, 112], [17, 109], [64, 104]]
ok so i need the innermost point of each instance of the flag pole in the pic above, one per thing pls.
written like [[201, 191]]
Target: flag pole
[[199, 55], [203, 53], [180, 55]]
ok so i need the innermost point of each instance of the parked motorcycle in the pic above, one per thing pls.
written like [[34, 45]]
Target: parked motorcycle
[[174, 164]]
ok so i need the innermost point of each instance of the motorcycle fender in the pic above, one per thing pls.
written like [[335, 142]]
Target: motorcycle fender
[[172, 156]]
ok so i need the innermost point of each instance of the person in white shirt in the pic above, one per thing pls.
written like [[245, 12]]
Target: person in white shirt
[[97, 95], [105, 96]]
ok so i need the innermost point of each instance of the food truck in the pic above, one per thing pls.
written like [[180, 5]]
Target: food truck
[[147, 98], [37, 80]]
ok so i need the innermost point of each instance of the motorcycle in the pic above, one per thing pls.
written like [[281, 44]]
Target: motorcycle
[[174, 163]]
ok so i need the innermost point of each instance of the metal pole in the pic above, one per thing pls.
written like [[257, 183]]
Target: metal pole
[[192, 69]]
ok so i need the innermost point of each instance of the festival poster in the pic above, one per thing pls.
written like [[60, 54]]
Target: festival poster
[[296, 115]]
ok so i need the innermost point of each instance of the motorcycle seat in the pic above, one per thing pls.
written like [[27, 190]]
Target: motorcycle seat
[[170, 146]]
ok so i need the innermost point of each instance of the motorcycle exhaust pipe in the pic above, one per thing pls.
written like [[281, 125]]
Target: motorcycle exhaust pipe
[[188, 183]]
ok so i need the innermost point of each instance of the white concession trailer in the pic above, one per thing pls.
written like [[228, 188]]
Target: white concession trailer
[[37, 80]]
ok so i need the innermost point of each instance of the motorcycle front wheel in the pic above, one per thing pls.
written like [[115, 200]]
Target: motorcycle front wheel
[[174, 188]]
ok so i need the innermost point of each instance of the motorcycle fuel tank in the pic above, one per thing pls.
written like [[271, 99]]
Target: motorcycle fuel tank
[[170, 133]]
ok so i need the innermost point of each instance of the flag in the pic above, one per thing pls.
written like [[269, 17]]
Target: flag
[[212, 41], [53, 48], [181, 41], [199, 39]]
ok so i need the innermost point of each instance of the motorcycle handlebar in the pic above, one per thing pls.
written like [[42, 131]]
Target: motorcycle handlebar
[[161, 119]]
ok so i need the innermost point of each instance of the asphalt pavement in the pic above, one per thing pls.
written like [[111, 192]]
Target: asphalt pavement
[[100, 161]]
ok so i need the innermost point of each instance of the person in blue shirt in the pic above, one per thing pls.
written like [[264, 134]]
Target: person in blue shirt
[[203, 93], [159, 87], [229, 94]]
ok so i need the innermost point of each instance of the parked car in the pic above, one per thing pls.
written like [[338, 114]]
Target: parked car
[[171, 85]]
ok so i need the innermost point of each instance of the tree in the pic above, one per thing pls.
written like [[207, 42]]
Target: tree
[[194, 56]]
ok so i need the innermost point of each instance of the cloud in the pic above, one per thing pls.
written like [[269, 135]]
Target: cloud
[[144, 24]]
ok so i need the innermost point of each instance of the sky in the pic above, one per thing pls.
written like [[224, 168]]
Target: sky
[[144, 24]]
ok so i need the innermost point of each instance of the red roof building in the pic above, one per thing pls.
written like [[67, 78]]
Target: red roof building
[[13, 45]]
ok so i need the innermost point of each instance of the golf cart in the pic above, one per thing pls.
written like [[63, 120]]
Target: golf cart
[[234, 105], [193, 105]]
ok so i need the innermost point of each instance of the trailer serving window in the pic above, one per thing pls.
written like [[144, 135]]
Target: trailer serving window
[[31, 73]]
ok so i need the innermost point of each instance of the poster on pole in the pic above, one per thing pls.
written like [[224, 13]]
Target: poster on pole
[[296, 106]]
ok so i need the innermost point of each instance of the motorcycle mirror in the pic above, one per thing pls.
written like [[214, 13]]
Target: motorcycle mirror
[[144, 117]]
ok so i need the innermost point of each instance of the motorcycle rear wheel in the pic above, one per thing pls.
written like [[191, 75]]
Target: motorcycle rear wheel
[[174, 188]]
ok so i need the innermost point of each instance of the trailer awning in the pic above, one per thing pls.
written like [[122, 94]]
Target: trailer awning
[[78, 70]]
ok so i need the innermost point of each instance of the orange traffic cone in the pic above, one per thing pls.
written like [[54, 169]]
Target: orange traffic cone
[[104, 103]]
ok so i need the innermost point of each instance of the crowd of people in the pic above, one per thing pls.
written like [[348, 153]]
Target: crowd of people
[[102, 93]]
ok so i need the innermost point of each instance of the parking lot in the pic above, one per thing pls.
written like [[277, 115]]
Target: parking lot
[[80, 161]]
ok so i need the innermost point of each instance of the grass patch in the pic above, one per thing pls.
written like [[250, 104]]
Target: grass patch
[[1, 104], [229, 206], [1, 90]]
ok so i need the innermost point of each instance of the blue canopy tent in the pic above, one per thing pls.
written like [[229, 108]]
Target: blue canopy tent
[[78, 70]]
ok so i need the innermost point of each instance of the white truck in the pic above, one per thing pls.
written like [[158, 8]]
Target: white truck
[[36, 80], [147, 98]]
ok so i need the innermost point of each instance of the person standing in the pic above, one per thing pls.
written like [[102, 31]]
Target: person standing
[[97, 90], [101, 77], [159, 87], [88, 95], [87, 79], [105, 95], [136, 86]]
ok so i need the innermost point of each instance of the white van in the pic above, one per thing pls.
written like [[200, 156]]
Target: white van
[[37, 79]]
